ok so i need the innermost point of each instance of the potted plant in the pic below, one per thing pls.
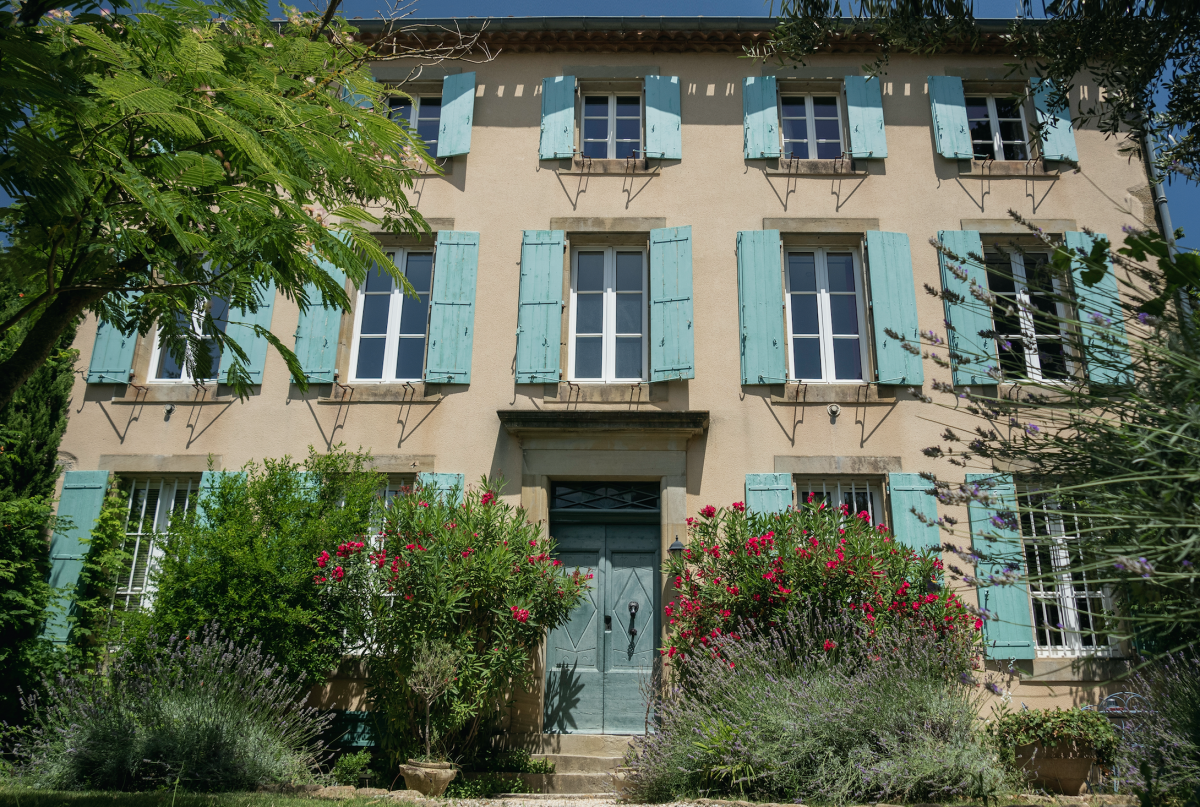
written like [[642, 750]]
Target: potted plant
[[1055, 747], [432, 674]]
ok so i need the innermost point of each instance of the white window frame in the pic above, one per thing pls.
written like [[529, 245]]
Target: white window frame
[[128, 594], [416, 117], [826, 337], [185, 372], [838, 487], [609, 340], [997, 140], [1062, 593], [399, 259], [811, 124], [611, 147], [1025, 309]]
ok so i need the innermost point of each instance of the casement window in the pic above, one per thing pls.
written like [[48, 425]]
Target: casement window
[[166, 367], [1032, 335], [390, 327], [826, 315], [150, 508], [857, 493], [1070, 610], [811, 127], [611, 128], [608, 315], [997, 126], [423, 114]]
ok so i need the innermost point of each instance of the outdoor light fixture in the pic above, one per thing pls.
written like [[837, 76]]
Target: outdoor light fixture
[[676, 549]]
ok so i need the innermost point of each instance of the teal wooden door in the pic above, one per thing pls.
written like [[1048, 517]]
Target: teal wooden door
[[600, 662]]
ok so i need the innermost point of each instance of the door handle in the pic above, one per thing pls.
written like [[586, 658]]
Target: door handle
[[608, 623], [633, 609]]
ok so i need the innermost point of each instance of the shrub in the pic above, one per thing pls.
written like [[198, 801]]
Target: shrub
[[205, 711], [817, 709], [348, 767], [475, 575], [741, 566], [1162, 757], [1052, 727]]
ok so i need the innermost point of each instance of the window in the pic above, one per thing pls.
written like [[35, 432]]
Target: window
[[151, 506], [811, 126], [858, 494], [997, 128], [423, 111], [612, 127], [608, 315], [1032, 334], [1069, 609], [389, 326], [825, 314], [166, 368]]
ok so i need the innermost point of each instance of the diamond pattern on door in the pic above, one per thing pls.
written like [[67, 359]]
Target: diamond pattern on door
[[574, 697], [631, 580]]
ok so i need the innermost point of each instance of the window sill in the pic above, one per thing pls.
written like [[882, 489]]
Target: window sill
[[186, 392], [816, 168], [587, 166], [617, 393], [799, 394], [413, 392], [1034, 169]]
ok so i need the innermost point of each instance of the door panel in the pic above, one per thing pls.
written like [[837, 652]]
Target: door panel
[[574, 702], [631, 643]]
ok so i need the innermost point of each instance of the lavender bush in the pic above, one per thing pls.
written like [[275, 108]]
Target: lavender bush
[[203, 710], [1162, 758], [815, 710]]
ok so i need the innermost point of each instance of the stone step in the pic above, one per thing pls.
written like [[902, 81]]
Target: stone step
[[584, 745], [580, 763], [568, 783]]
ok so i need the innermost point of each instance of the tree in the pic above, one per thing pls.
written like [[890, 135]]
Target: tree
[[189, 152]]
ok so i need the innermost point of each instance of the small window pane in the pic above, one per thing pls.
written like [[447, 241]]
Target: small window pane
[[401, 110], [370, 358], [804, 314], [1052, 356], [590, 275], [378, 279], [208, 359], [596, 149], [843, 311], [792, 106], [413, 314], [629, 271], [375, 313], [824, 107], [428, 130], [588, 354], [1012, 357], [795, 129], [410, 357], [1007, 108], [629, 106], [595, 104], [629, 314], [807, 357], [802, 270], [1015, 151], [977, 107], [629, 357], [1011, 130], [418, 269], [847, 362], [595, 128], [168, 368], [841, 272], [589, 313], [827, 129], [829, 151], [629, 129], [626, 149]]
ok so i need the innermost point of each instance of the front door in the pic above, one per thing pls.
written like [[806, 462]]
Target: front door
[[599, 664]]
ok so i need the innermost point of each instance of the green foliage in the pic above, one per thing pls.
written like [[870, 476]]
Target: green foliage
[[434, 670], [484, 786], [1085, 728], [492, 758], [349, 766], [95, 623], [244, 558], [1163, 751], [20, 796], [475, 575]]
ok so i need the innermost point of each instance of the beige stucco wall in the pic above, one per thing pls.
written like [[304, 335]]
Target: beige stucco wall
[[501, 189]]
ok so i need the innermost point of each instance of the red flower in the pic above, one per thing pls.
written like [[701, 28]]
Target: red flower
[[708, 511], [488, 498], [519, 614], [830, 645], [422, 504], [467, 552], [739, 506], [323, 559], [338, 573], [978, 624]]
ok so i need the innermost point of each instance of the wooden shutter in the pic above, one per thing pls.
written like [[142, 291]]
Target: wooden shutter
[[458, 112], [760, 307], [672, 342], [539, 313], [1011, 634], [760, 117], [443, 484], [112, 356], [768, 493], [894, 308], [558, 118], [452, 308], [864, 116], [909, 492], [1106, 355], [973, 354], [1058, 139], [80, 503], [663, 138], [951, 131], [317, 331], [241, 330]]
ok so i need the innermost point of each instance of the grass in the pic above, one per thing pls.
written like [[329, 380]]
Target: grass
[[26, 797]]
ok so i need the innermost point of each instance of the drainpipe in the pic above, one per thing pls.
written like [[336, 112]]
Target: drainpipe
[[1183, 297]]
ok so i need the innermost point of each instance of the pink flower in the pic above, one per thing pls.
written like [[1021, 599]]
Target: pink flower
[[338, 573], [322, 560], [708, 511], [451, 525], [519, 614], [739, 506], [830, 645], [864, 515], [467, 552], [488, 498], [422, 504]]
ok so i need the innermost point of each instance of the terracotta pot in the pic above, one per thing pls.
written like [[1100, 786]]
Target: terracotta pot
[[1062, 768], [622, 782], [428, 778]]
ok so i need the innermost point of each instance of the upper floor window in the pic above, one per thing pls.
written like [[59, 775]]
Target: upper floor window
[[1032, 332], [825, 315], [811, 126], [167, 367], [857, 494], [422, 113], [997, 128], [390, 326], [612, 126], [608, 315], [151, 506]]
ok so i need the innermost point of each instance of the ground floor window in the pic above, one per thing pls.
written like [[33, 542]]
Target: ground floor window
[[151, 505], [856, 492]]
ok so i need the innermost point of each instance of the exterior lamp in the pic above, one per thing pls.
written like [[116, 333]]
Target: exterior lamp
[[676, 549]]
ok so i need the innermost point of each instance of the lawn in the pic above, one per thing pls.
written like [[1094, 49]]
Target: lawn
[[24, 797]]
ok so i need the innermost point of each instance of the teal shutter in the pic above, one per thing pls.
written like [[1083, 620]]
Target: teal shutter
[[951, 132], [768, 493], [443, 484], [458, 112], [760, 117], [112, 356], [894, 308], [864, 116], [1058, 139], [1011, 634], [971, 354], [241, 330], [760, 307], [1100, 316], [81, 500], [452, 308], [317, 332], [539, 312], [558, 118], [663, 138], [352, 729], [908, 492], [672, 342]]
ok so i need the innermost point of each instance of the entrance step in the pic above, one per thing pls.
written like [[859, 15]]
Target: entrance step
[[579, 763], [568, 783], [584, 745]]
